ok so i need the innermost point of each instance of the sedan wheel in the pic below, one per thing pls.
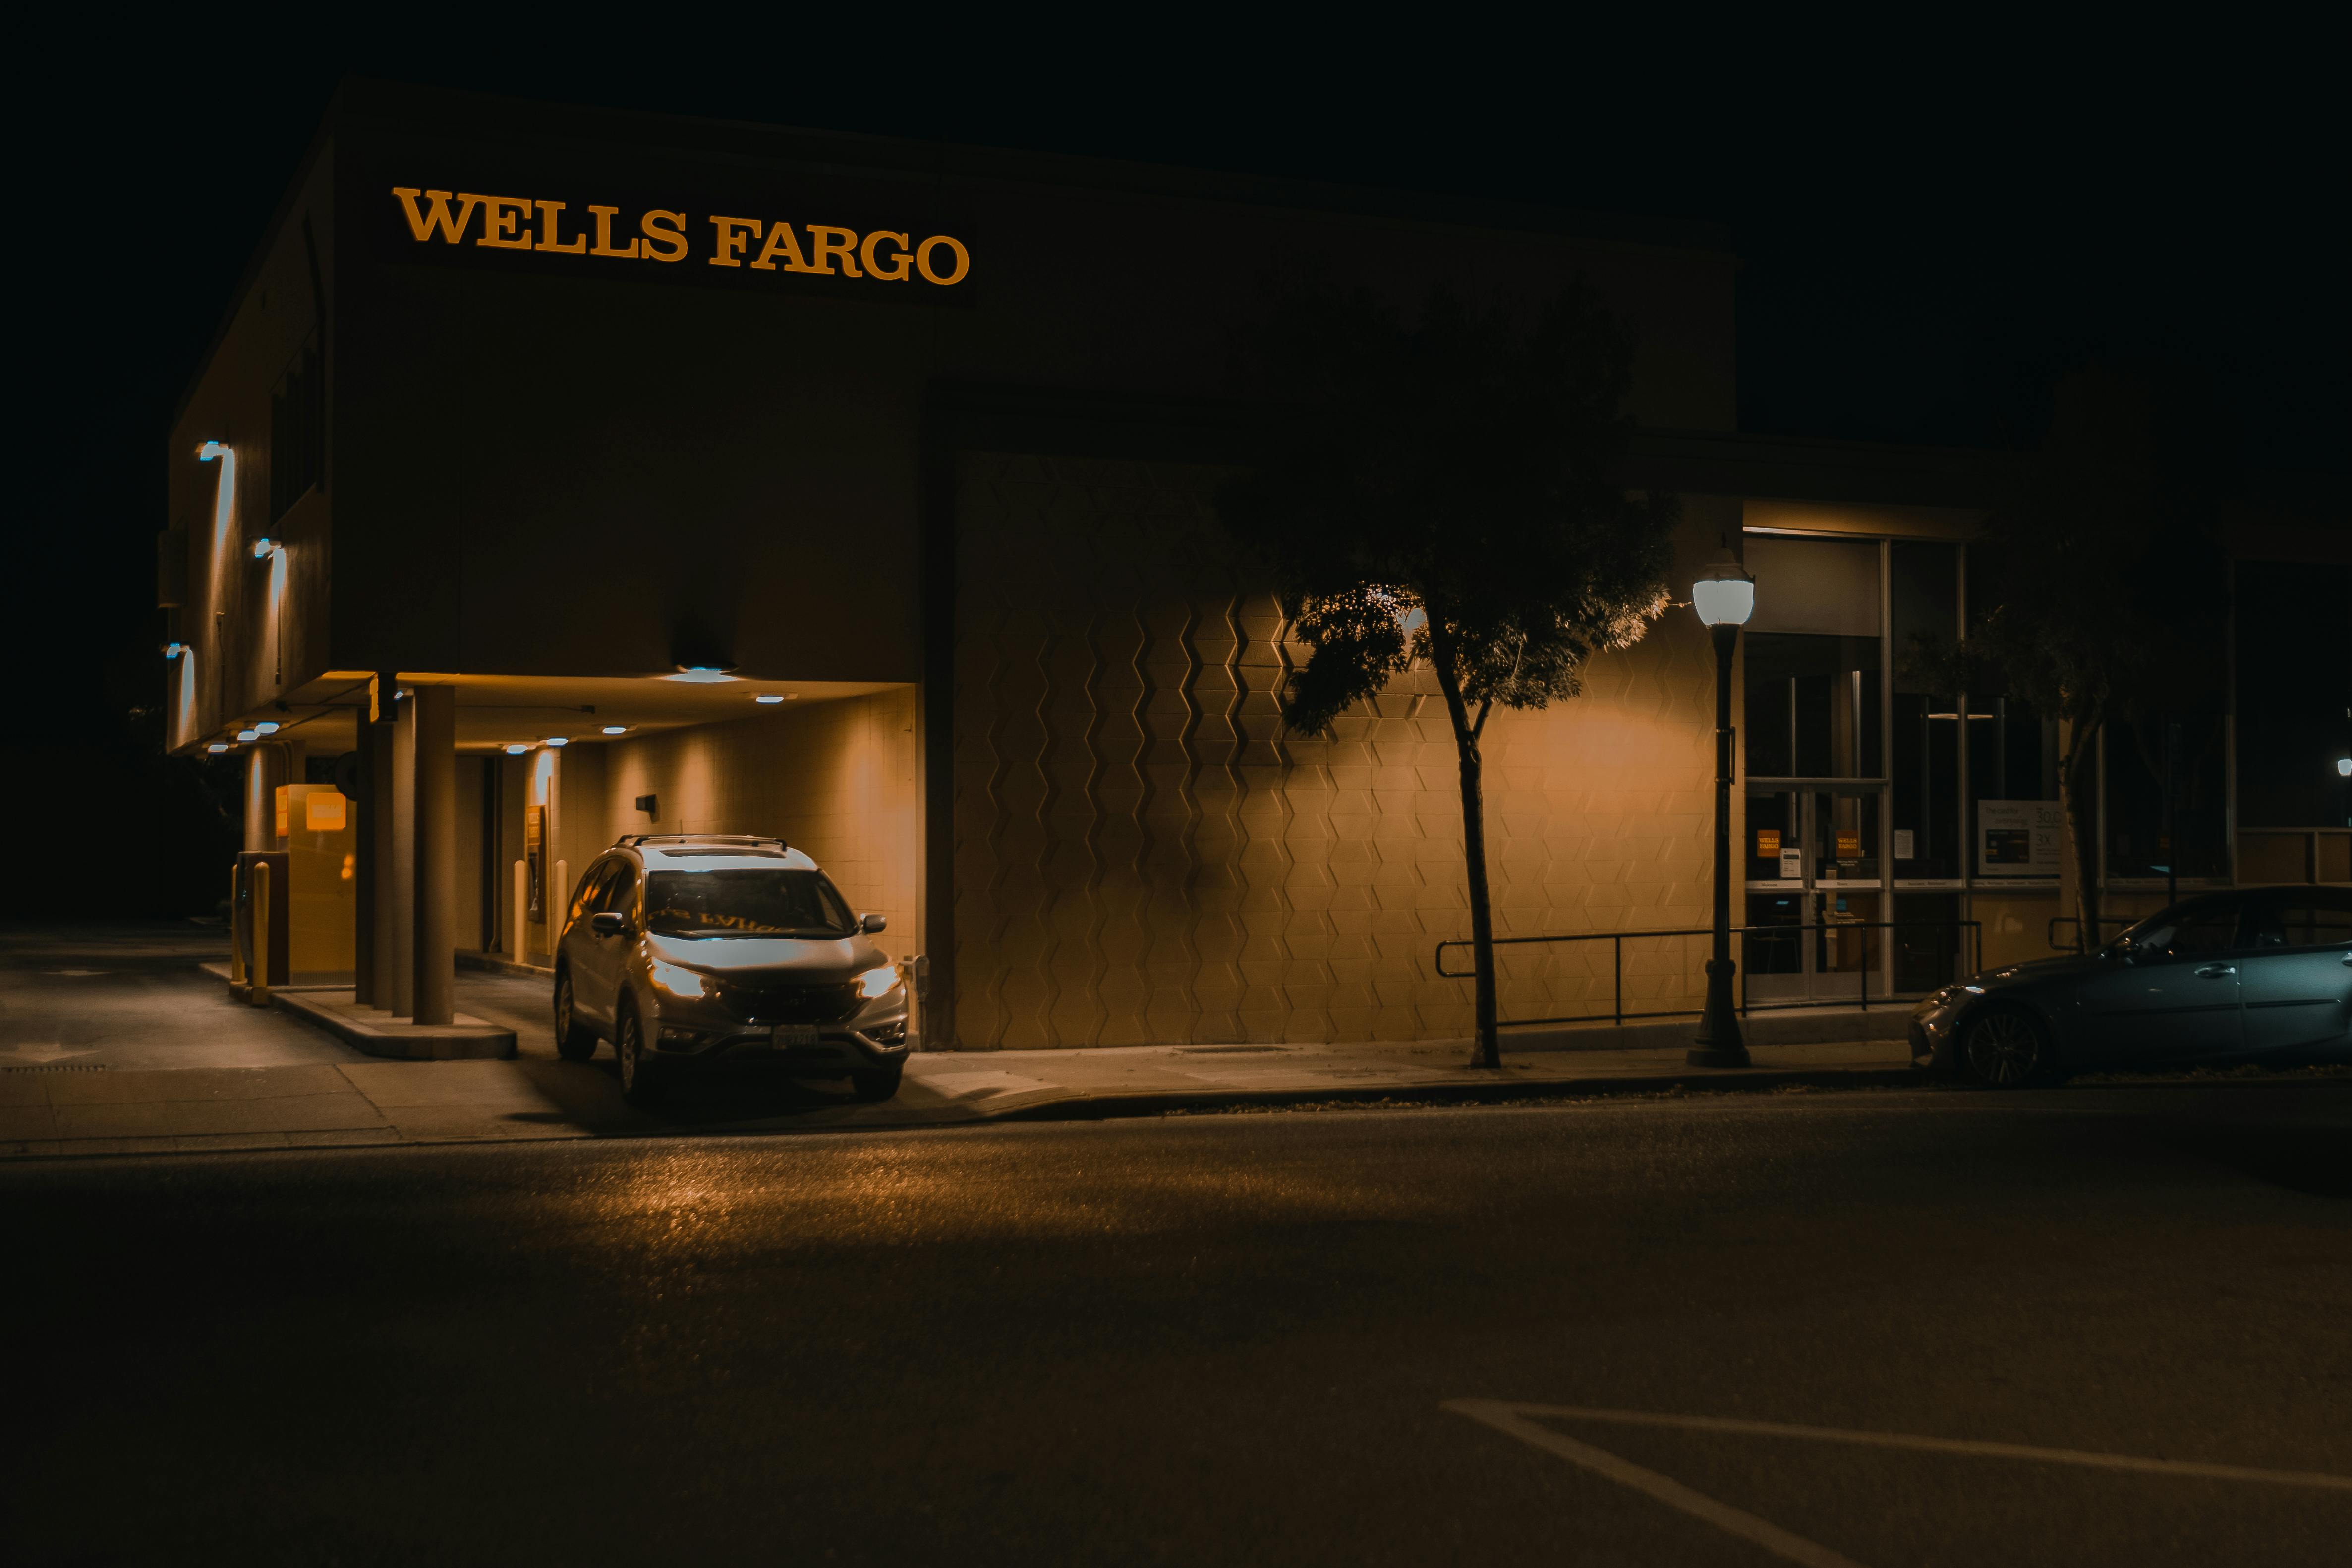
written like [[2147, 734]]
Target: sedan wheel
[[2004, 1050], [640, 1082]]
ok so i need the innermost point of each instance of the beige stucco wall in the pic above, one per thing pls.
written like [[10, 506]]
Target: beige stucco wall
[[1144, 855], [839, 780]]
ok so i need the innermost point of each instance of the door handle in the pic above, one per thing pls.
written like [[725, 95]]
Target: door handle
[[2215, 970]]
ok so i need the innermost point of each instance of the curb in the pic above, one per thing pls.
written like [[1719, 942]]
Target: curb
[[1106, 1107], [459, 1042]]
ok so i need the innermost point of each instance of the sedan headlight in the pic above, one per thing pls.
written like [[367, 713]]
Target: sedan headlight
[[877, 983], [684, 983]]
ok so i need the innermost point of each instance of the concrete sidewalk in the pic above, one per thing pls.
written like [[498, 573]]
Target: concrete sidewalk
[[67, 1110]]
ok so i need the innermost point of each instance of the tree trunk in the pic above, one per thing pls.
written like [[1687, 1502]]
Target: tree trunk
[[1489, 1045], [2078, 785]]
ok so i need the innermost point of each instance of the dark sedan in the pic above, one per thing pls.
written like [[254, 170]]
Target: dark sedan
[[2251, 974]]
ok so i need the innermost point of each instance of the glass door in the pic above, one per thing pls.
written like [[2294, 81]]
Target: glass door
[[1814, 862]]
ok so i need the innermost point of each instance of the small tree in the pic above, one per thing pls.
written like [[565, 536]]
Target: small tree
[[1449, 489], [2109, 593]]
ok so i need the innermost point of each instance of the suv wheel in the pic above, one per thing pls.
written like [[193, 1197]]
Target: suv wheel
[[575, 1042], [640, 1079], [879, 1084], [2006, 1048]]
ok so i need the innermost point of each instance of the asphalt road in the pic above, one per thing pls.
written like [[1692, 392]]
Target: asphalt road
[[1211, 1339]]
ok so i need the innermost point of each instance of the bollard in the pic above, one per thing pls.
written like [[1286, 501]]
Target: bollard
[[260, 992], [235, 949]]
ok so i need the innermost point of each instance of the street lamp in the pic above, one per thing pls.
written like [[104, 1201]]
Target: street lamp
[[1724, 594]]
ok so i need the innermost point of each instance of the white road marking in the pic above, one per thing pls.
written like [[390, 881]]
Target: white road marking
[[2128, 1462], [1506, 1419]]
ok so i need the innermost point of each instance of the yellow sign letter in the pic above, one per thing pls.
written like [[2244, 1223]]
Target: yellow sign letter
[[923, 259], [546, 240], [843, 243], [424, 226], [604, 216], [657, 237], [730, 240], [898, 264]]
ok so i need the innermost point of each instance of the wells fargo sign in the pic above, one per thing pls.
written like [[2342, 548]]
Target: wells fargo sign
[[616, 234]]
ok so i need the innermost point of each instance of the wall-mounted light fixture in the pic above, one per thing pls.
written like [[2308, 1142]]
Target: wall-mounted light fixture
[[2344, 767], [249, 734], [211, 449], [263, 548], [616, 729], [267, 727], [174, 650], [699, 674]]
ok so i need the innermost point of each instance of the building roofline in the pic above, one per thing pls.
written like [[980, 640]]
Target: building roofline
[[529, 118]]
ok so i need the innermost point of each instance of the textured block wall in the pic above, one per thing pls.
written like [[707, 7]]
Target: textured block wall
[[839, 780], [1144, 855]]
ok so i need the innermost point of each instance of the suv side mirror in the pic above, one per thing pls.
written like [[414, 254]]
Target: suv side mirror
[[609, 923], [871, 925]]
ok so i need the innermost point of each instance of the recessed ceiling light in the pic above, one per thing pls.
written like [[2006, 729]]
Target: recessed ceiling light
[[768, 696], [702, 674], [249, 734], [218, 746], [616, 729], [516, 748], [267, 726], [559, 740]]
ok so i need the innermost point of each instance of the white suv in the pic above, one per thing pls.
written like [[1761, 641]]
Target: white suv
[[686, 950]]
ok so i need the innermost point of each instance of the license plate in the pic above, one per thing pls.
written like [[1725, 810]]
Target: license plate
[[789, 1035]]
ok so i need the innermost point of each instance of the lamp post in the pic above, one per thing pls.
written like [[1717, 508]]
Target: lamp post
[[1724, 595]]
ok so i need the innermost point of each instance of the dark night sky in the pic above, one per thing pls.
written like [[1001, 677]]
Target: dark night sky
[[1931, 224]]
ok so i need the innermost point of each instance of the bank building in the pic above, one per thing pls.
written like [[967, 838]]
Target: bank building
[[561, 474]]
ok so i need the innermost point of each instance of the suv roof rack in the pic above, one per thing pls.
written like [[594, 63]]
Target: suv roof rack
[[631, 840]]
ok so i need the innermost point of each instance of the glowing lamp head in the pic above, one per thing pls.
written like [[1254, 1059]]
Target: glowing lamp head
[[266, 727], [616, 729], [209, 450], [699, 674], [559, 741], [768, 698], [249, 734], [218, 746], [2344, 767], [1723, 594], [174, 650], [516, 748], [263, 548]]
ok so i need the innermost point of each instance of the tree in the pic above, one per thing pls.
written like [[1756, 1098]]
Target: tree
[[1448, 488], [2108, 589]]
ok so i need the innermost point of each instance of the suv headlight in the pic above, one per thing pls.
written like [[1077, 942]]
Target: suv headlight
[[686, 984], [877, 983]]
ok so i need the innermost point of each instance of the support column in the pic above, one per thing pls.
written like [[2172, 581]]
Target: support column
[[261, 797], [434, 724], [383, 898], [365, 809], [404, 858]]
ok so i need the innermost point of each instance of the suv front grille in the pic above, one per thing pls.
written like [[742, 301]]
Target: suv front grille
[[791, 1003]]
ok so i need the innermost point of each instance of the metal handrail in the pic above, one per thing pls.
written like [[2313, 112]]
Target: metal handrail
[[1974, 929]]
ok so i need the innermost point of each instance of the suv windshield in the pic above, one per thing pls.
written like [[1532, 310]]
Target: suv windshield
[[753, 900]]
